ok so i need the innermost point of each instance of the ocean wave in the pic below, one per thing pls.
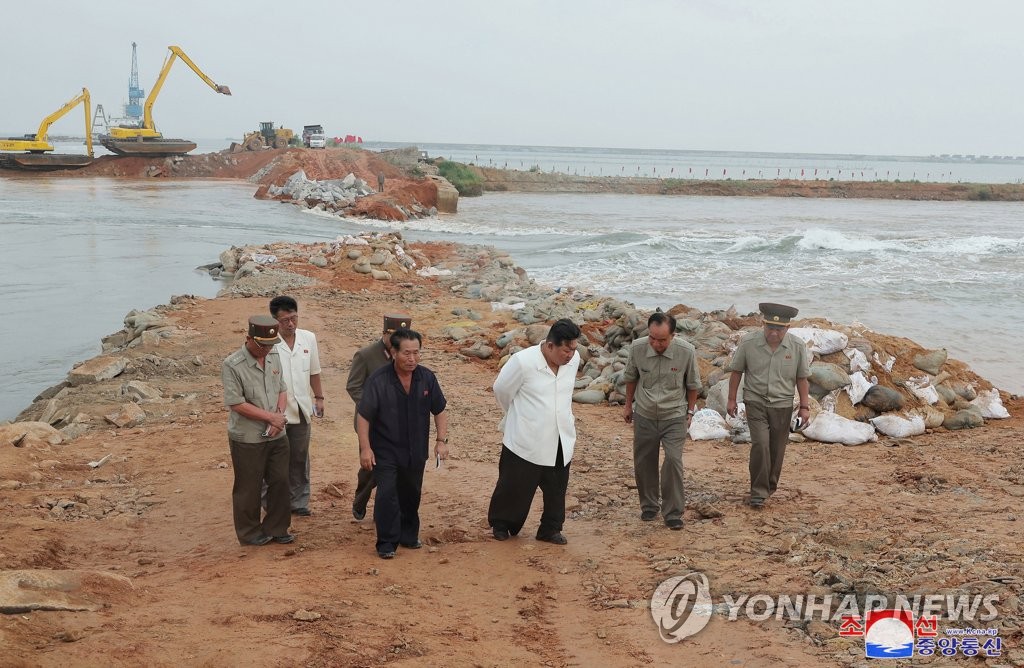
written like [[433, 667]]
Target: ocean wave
[[821, 239]]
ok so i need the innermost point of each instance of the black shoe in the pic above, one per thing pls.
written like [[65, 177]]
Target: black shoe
[[501, 534], [261, 539], [284, 540], [555, 538], [390, 554], [648, 515], [302, 512], [675, 525], [756, 502], [358, 514], [412, 546]]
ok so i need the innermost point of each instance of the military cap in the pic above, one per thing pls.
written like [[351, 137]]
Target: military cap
[[777, 314], [263, 330], [393, 322]]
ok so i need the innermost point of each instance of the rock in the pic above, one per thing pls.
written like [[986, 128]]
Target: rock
[[931, 361], [478, 350], [883, 399], [139, 391], [318, 261], [74, 430], [965, 419], [829, 376], [380, 275], [537, 333], [97, 369], [17, 433], [306, 616], [130, 415], [354, 254], [362, 267], [589, 397], [229, 260], [70, 591]]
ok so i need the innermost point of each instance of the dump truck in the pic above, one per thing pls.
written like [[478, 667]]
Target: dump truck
[[308, 131], [145, 140], [36, 152]]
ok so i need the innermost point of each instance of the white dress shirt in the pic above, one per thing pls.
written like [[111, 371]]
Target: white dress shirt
[[297, 365], [538, 406]]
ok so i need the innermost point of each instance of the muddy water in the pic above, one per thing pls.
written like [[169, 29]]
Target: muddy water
[[78, 254]]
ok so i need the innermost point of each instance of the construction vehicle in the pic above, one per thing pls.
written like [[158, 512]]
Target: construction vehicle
[[145, 140], [267, 137], [36, 151], [310, 130]]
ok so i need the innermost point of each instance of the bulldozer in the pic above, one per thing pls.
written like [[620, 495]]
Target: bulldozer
[[267, 137]]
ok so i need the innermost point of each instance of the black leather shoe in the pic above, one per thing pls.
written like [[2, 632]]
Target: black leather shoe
[[556, 539], [675, 525], [358, 514], [412, 546], [258, 540], [501, 534], [757, 502], [648, 515], [284, 540], [302, 512], [386, 555]]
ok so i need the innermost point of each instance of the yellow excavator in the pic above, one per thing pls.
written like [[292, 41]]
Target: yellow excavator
[[35, 152], [145, 140]]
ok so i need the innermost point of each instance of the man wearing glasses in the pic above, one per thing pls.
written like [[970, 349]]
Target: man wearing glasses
[[300, 367], [255, 392]]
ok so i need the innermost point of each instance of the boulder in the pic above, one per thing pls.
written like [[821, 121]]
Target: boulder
[[130, 415], [883, 399], [139, 391], [18, 432], [97, 369], [931, 361], [537, 333], [70, 591]]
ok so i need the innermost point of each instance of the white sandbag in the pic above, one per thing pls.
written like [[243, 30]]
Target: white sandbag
[[739, 423], [708, 425], [887, 364], [821, 341], [897, 426], [858, 360], [832, 428], [990, 404], [922, 388], [859, 386]]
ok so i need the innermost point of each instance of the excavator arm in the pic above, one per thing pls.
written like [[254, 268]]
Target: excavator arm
[[39, 143], [148, 129]]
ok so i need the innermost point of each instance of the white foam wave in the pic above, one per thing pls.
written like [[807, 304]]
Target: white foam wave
[[819, 239]]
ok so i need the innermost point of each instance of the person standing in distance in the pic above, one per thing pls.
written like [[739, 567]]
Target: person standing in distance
[[393, 424], [255, 392], [300, 367], [662, 378], [367, 360], [534, 389], [772, 363]]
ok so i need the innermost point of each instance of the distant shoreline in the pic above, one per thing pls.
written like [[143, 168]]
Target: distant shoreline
[[507, 180]]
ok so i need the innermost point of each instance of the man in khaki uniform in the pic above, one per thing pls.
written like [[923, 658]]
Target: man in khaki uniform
[[662, 382], [255, 391], [772, 363]]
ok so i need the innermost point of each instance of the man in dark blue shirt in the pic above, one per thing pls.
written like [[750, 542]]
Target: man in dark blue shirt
[[394, 433]]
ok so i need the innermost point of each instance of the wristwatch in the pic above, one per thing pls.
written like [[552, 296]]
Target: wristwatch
[[691, 411], [443, 440]]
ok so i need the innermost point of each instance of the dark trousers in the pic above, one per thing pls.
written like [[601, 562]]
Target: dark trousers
[[397, 510], [649, 436], [365, 482], [254, 463], [518, 481], [298, 463], [769, 435]]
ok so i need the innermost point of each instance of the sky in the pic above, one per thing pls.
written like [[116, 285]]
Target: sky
[[893, 77]]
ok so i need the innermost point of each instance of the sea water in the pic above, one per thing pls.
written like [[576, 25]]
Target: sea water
[[80, 253]]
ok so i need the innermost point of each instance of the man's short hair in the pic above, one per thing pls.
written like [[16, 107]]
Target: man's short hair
[[283, 303], [660, 318], [563, 331], [403, 334]]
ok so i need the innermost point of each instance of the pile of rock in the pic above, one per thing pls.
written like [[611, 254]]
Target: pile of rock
[[339, 196]]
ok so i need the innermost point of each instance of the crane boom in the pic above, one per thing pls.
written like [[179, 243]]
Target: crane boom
[[148, 129], [39, 142]]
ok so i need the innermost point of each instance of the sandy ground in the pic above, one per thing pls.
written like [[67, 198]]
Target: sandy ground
[[934, 513]]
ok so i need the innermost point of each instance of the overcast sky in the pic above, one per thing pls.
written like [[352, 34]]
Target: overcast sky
[[908, 77]]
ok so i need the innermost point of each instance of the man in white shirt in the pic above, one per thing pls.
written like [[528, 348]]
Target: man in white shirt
[[535, 388], [300, 366]]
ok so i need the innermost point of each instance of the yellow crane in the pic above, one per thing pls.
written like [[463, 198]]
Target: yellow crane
[[145, 140], [35, 151]]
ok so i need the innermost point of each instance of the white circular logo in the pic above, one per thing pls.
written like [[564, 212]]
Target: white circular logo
[[681, 606]]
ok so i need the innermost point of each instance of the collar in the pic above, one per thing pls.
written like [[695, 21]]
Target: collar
[[668, 351]]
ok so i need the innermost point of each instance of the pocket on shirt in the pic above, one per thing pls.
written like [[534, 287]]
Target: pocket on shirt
[[305, 363]]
